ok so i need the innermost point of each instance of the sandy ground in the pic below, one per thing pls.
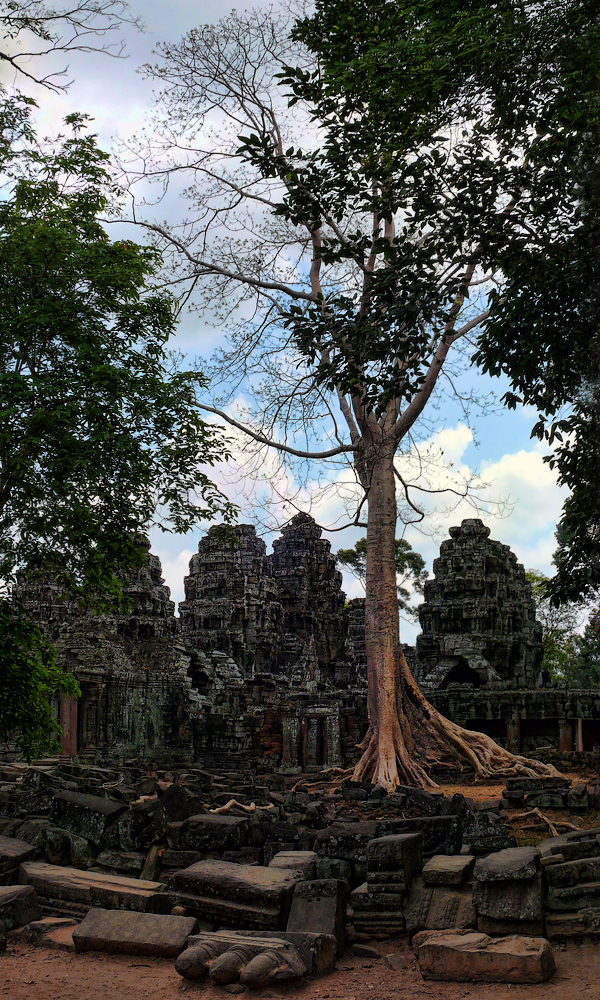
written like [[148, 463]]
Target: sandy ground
[[38, 973]]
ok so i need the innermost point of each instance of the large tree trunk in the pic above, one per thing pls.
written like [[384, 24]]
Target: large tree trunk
[[407, 736]]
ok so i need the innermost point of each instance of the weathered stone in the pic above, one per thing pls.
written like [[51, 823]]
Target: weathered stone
[[377, 913], [346, 840], [502, 928], [317, 951], [13, 852], [19, 905], [337, 868], [320, 907], [575, 897], [129, 933], [574, 872], [441, 834], [442, 869], [437, 908], [518, 899], [257, 959], [209, 832], [398, 855], [515, 863], [477, 958], [51, 932], [54, 883], [180, 859], [584, 923], [64, 848], [237, 895], [127, 861], [85, 815], [303, 862]]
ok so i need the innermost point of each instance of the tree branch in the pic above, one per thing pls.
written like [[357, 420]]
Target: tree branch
[[262, 439]]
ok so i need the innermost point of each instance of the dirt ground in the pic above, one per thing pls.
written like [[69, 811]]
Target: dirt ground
[[37, 973]]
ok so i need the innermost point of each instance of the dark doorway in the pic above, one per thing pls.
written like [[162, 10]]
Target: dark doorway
[[462, 673]]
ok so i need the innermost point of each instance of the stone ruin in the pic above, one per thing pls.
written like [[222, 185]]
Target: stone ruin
[[177, 824], [267, 661]]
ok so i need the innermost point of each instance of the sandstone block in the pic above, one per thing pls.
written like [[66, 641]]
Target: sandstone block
[[437, 908], [477, 958], [85, 815], [124, 933], [237, 895], [443, 869], [510, 900], [441, 834], [320, 906], [574, 872], [13, 852], [400, 854], [303, 862], [19, 905], [209, 832], [70, 885], [515, 863], [346, 840]]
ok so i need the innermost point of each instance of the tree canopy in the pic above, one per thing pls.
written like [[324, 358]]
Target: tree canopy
[[410, 567]]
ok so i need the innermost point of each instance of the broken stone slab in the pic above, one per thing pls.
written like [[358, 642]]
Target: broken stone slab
[[320, 906], [517, 899], [578, 844], [179, 859], [128, 861], [399, 855], [303, 862], [51, 932], [574, 872], [13, 852], [584, 923], [19, 905], [444, 869], [346, 840], [227, 956], [377, 913], [126, 933], [64, 848], [441, 834], [477, 958], [337, 868], [515, 863], [85, 815], [71, 885], [439, 907], [232, 894], [209, 832], [317, 951], [575, 897]]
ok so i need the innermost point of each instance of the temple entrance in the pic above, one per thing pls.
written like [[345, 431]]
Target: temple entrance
[[462, 673]]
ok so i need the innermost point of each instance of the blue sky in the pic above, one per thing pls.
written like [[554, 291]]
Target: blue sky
[[120, 100]]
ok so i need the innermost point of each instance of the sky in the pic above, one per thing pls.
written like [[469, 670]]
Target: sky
[[120, 101]]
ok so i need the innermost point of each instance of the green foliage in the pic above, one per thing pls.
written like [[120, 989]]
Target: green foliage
[[30, 679], [587, 674], [100, 432], [410, 567], [561, 633]]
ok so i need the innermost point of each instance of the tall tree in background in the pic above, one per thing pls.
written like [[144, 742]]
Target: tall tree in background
[[436, 193], [31, 31], [410, 567], [100, 431]]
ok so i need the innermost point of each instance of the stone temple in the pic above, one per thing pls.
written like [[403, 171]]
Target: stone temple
[[267, 662]]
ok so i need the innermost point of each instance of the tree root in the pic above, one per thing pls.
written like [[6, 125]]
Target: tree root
[[540, 815], [234, 804]]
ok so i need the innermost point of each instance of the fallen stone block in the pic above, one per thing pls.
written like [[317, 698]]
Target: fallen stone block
[[441, 834], [317, 951], [85, 815], [227, 956], [337, 868], [505, 927], [584, 923], [396, 860], [477, 958], [346, 840], [303, 862], [444, 869], [54, 885], [12, 853], [574, 845], [237, 895], [126, 861], [19, 905], [122, 933], [515, 863], [62, 847], [575, 897], [51, 932], [574, 872], [439, 907], [377, 913], [510, 900], [320, 906], [209, 832]]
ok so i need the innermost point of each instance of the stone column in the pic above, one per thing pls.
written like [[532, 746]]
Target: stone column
[[290, 742], [68, 721], [565, 738], [513, 735], [333, 741], [579, 735], [311, 742]]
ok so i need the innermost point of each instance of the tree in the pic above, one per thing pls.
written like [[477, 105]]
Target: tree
[[587, 668], [410, 567], [100, 430], [78, 27], [438, 178], [560, 627], [30, 679]]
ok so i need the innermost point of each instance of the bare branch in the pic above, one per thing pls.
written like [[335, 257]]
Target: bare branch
[[262, 439]]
